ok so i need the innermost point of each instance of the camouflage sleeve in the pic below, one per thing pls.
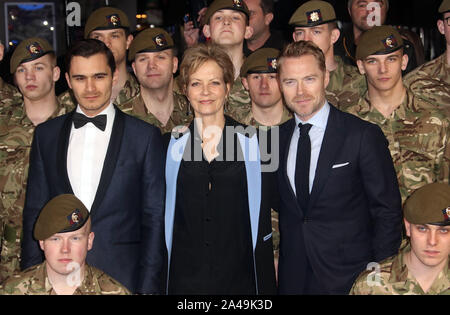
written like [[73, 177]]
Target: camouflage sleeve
[[67, 100], [360, 286], [109, 286], [444, 170], [275, 234], [14, 285]]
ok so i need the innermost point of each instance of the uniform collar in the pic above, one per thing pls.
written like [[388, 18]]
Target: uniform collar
[[89, 281], [249, 119], [20, 113], [400, 275], [365, 107]]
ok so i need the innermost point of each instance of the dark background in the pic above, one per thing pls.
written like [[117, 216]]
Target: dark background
[[418, 15]]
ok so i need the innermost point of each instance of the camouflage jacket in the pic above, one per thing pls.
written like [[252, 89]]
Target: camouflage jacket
[[431, 82], [394, 278], [346, 85], [34, 281], [9, 95], [16, 135], [181, 114], [419, 141], [130, 90], [238, 97], [244, 115]]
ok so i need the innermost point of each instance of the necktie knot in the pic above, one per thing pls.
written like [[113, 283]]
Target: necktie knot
[[79, 120], [304, 128]]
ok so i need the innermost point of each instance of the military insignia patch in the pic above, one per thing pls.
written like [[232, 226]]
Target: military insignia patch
[[34, 49], [446, 213], [160, 40], [113, 20], [314, 16], [390, 42], [75, 217], [237, 3], [272, 64]]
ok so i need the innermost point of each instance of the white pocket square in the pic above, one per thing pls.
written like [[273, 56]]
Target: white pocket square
[[340, 165]]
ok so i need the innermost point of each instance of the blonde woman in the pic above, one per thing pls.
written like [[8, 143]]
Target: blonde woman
[[217, 220]]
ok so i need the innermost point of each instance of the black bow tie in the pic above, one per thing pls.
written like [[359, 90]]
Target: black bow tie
[[79, 120]]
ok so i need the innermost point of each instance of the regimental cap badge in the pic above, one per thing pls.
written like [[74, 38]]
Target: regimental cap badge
[[160, 40], [113, 20], [446, 213], [390, 42], [237, 3], [272, 64], [75, 218], [35, 49], [314, 16]]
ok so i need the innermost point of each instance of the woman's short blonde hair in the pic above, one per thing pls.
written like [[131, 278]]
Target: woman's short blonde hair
[[196, 56]]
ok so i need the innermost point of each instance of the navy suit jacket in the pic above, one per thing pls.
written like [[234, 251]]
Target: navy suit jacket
[[128, 210], [354, 214]]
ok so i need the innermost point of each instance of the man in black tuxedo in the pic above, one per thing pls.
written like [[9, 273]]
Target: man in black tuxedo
[[340, 205], [113, 163]]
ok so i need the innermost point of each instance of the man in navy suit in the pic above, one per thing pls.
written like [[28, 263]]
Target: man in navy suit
[[340, 204], [112, 162]]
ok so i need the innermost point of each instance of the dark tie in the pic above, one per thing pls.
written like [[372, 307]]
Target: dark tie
[[79, 120], [302, 166]]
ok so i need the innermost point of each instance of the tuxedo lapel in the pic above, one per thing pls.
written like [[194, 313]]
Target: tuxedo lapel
[[111, 158], [63, 146], [332, 143]]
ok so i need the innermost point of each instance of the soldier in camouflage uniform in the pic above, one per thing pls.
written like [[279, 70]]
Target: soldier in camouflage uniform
[[154, 62], [427, 220], [222, 15], [63, 229], [431, 81], [418, 134], [259, 76], [316, 21], [8, 94], [111, 26], [17, 124]]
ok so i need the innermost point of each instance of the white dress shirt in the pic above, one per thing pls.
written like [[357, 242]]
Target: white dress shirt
[[86, 155], [316, 133]]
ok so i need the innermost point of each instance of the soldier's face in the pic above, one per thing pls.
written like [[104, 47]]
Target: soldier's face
[[116, 40], [303, 84], [207, 90], [36, 79], [228, 28], [384, 72], [430, 244], [154, 70], [263, 88], [66, 251], [321, 35], [91, 81], [359, 13], [444, 29]]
